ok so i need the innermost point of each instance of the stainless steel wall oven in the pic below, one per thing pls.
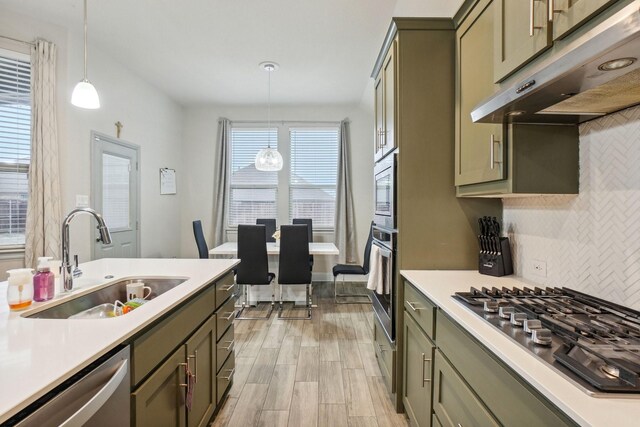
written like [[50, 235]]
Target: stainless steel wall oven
[[384, 302], [385, 192]]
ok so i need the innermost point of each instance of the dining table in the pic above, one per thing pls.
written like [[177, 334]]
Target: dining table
[[273, 248]]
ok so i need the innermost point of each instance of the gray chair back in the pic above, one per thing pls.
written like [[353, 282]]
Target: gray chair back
[[252, 251], [367, 250], [203, 250], [270, 227], [294, 255]]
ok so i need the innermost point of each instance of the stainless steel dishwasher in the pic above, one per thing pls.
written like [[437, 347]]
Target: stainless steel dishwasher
[[97, 396]]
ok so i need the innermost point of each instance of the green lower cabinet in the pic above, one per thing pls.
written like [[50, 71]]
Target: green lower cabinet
[[201, 353], [416, 389], [454, 403], [160, 400], [225, 377]]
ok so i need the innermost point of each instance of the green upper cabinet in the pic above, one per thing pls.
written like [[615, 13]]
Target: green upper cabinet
[[569, 14], [479, 147], [385, 105], [522, 31]]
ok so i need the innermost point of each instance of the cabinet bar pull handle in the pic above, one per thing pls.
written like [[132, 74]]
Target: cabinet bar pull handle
[[492, 154], [230, 345], [194, 356], [413, 307], [424, 359], [230, 375], [553, 10], [458, 425], [186, 367], [532, 26], [230, 316], [227, 289]]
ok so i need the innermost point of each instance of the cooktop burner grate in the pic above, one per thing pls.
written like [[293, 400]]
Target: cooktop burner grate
[[591, 341]]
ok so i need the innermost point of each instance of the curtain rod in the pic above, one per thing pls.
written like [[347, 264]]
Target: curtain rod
[[333, 122], [17, 40]]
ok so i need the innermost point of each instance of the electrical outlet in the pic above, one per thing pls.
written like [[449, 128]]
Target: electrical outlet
[[82, 201], [539, 267]]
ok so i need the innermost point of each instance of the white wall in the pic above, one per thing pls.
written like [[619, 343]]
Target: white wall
[[200, 131], [590, 242], [151, 120]]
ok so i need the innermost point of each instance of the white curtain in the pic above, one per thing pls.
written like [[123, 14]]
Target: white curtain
[[345, 234], [221, 183], [42, 235]]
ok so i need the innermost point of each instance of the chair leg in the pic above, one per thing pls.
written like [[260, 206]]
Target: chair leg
[[307, 302], [245, 306], [337, 295]]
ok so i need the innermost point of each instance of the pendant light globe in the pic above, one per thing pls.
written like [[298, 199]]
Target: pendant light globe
[[85, 95], [269, 159]]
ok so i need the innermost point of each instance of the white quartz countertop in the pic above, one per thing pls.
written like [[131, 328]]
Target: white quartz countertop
[[438, 286], [36, 355]]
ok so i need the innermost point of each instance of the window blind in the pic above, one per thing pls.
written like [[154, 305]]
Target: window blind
[[252, 193], [314, 175], [15, 145]]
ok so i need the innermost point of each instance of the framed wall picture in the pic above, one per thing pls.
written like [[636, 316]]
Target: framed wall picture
[[168, 181]]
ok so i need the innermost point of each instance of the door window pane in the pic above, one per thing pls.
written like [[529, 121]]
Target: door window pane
[[116, 191]]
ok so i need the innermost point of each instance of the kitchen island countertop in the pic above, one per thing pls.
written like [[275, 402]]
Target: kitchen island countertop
[[36, 355], [439, 286]]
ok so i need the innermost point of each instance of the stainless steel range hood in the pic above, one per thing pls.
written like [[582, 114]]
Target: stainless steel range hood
[[573, 84]]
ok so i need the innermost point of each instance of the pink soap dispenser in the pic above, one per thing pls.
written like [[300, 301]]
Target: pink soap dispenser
[[43, 282]]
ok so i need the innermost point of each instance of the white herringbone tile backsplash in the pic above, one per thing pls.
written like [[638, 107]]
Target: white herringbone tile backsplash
[[590, 242]]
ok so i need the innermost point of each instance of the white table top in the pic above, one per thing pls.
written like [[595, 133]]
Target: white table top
[[315, 248], [584, 409]]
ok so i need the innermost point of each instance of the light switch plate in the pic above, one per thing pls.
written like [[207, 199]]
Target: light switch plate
[[82, 201]]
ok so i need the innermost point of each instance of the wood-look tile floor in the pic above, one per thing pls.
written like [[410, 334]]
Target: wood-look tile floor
[[318, 372]]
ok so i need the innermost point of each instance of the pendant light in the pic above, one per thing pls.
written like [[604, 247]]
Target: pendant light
[[268, 159], [84, 94]]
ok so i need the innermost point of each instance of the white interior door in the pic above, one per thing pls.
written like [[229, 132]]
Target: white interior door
[[115, 177]]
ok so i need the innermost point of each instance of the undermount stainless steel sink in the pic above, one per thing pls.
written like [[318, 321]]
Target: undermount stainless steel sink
[[107, 295]]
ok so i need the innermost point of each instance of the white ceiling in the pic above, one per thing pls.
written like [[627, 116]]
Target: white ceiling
[[207, 51]]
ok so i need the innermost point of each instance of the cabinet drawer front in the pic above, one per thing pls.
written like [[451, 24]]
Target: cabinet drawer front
[[225, 376], [225, 287], [420, 309], [225, 346], [385, 354], [453, 402], [153, 346], [510, 399], [224, 317]]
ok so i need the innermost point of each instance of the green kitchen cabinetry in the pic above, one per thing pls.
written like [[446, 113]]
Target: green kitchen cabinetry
[[192, 337], [522, 31], [385, 104], [568, 15], [418, 359], [479, 153], [502, 160], [385, 353]]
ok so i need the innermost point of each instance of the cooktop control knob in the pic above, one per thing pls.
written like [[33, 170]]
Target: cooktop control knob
[[491, 306], [541, 336], [505, 312], [530, 324], [518, 318]]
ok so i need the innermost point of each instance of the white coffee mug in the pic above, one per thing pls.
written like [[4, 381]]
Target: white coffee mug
[[137, 290]]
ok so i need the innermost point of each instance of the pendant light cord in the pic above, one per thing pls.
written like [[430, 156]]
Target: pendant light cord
[[85, 40], [268, 110]]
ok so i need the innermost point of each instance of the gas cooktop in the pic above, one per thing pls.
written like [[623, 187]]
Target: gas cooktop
[[592, 342]]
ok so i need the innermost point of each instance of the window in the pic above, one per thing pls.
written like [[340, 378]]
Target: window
[[305, 188], [15, 145], [252, 193], [314, 174]]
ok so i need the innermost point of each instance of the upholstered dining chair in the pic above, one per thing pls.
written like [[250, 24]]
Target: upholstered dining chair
[[294, 263], [309, 223], [203, 250], [353, 269], [254, 265], [270, 227]]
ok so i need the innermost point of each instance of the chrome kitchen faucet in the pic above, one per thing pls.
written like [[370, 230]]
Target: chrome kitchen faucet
[[105, 238]]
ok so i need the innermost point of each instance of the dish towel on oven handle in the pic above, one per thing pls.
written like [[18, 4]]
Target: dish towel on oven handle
[[375, 282]]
